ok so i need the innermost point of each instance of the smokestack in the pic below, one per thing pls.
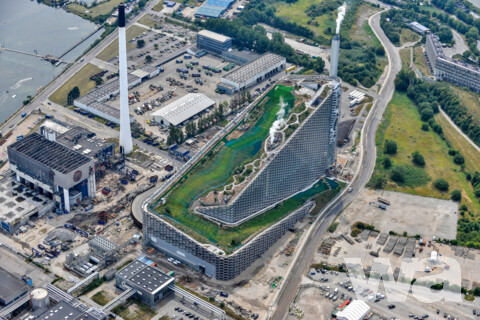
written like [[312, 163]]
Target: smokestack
[[334, 55], [126, 145]]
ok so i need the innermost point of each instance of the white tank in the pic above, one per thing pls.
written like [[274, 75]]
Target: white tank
[[39, 298]]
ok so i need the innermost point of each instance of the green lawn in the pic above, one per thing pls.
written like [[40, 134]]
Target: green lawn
[[158, 7], [408, 35], [111, 50], [134, 309], [402, 124], [81, 79], [91, 13], [421, 61], [217, 168], [149, 22], [361, 30], [295, 11], [470, 99], [101, 298], [405, 55]]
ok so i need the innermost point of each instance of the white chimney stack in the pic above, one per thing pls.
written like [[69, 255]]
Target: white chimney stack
[[334, 55], [126, 145]]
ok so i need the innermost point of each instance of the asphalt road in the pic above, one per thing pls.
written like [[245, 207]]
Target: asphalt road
[[366, 169]]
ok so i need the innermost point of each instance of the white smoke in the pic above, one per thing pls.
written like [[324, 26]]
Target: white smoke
[[280, 122], [341, 15]]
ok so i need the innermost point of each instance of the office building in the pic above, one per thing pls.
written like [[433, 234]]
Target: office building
[[448, 69], [213, 42]]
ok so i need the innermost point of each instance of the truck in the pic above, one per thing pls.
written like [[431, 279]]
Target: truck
[[20, 137], [27, 280]]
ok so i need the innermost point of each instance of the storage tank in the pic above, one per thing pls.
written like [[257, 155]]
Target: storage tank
[[39, 298]]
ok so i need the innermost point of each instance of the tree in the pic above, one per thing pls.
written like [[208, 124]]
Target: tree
[[72, 95], [387, 163], [456, 195], [380, 51], [390, 147], [190, 129], [418, 159], [426, 114], [397, 175], [404, 79], [98, 81], [459, 159], [425, 127], [148, 59], [155, 46], [441, 184], [140, 43]]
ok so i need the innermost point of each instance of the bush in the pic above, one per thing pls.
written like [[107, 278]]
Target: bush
[[458, 159], [390, 147], [456, 195], [418, 159], [452, 152], [425, 127], [380, 51], [441, 184], [387, 163], [333, 227], [397, 175], [426, 114]]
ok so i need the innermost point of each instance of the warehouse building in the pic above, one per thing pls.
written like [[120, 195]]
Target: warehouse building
[[213, 42], [418, 28], [151, 285], [213, 8], [94, 101], [252, 73], [11, 288], [356, 310], [453, 71], [183, 109], [239, 57], [52, 169]]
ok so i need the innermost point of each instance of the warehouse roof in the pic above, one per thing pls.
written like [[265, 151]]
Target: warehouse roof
[[214, 35], [51, 154], [10, 286], [251, 69], [219, 3], [61, 311], [356, 310], [210, 11], [144, 277], [184, 108]]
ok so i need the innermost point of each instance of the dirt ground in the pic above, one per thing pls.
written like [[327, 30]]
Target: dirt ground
[[427, 217]]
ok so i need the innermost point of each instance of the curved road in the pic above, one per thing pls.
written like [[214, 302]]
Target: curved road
[[320, 226]]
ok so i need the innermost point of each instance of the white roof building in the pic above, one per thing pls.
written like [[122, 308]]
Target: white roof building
[[214, 35], [183, 109], [356, 310]]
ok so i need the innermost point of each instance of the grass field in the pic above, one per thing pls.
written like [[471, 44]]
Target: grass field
[[134, 309], [91, 13], [101, 298], [421, 61], [296, 12], [158, 7], [81, 79], [111, 50], [402, 123], [470, 100], [148, 21], [361, 30], [407, 35], [406, 56], [215, 170]]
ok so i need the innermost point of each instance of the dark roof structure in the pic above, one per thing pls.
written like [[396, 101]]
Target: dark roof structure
[[144, 276], [10, 287], [61, 311], [51, 154]]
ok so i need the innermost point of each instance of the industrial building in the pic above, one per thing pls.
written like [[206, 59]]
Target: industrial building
[[356, 310], [239, 57], [52, 169], [183, 109], [310, 149], [213, 8], [213, 42], [418, 28], [252, 73], [94, 101], [453, 71], [11, 288], [151, 285]]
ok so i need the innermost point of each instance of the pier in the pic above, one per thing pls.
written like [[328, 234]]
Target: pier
[[49, 58]]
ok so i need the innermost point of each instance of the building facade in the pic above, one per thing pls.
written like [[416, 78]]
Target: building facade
[[453, 71], [213, 42], [299, 163]]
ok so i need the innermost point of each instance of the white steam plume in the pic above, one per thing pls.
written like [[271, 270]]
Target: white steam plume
[[280, 122], [341, 15]]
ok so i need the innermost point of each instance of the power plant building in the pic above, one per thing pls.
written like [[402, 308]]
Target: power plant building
[[296, 165], [213, 42], [183, 109], [252, 73], [448, 69], [52, 169]]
